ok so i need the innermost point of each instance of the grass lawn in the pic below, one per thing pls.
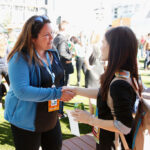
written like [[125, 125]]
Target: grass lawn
[[6, 142]]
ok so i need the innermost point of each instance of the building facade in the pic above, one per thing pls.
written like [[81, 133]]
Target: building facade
[[14, 13], [122, 12]]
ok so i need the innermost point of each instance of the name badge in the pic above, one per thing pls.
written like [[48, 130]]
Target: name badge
[[53, 105]]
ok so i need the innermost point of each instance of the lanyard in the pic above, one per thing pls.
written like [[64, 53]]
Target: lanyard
[[48, 68]]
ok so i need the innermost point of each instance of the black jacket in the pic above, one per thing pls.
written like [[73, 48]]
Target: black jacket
[[61, 44]]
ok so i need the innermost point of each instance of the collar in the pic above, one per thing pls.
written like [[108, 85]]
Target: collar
[[51, 50], [122, 74]]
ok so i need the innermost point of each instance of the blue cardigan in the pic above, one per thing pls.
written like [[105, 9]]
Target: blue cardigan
[[24, 93]]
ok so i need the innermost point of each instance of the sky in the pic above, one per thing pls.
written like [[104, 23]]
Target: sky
[[80, 12]]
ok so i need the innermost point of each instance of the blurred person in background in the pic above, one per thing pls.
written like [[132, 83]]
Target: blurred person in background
[[61, 44], [94, 67], [4, 50], [141, 45], [36, 79], [147, 51], [12, 36], [79, 57]]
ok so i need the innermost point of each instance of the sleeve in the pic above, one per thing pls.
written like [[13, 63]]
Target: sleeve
[[122, 95], [64, 50], [19, 76]]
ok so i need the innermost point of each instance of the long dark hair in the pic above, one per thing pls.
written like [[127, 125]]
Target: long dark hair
[[30, 30], [123, 47]]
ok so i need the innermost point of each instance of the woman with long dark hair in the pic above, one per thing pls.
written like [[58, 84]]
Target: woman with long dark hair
[[119, 48]]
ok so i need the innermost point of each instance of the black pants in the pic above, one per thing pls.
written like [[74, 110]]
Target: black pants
[[107, 146], [66, 79], [61, 107], [27, 140], [3, 73], [147, 59], [80, 65]]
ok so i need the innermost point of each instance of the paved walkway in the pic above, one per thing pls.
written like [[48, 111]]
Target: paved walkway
[[85, 142]]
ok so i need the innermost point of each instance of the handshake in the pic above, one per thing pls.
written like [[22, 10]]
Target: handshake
[[79, 115], [68, 93]]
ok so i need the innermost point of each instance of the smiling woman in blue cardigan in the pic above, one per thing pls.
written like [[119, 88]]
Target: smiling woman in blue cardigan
[[36, 77]]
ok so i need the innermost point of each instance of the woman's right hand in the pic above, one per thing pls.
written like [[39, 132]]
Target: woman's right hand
[[67, 94]]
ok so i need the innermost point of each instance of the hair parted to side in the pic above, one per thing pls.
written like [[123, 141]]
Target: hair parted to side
[[30, 30], [123, 47]]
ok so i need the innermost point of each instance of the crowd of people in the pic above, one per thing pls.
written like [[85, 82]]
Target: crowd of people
[[38, 68], [4, 50], [144, 47]]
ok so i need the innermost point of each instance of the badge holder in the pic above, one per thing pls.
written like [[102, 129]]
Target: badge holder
[[53, 105]]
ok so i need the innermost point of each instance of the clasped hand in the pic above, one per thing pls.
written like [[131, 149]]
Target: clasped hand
[[67, 94], [79, 115]]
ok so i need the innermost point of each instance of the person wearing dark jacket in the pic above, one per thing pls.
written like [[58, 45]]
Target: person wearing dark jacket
[[61, 44]]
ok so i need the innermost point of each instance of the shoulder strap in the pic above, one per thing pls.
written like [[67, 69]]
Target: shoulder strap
[[110, 104], [125, 144], [135, 86]]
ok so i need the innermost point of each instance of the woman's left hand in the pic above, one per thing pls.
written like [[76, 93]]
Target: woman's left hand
[[81, 116]]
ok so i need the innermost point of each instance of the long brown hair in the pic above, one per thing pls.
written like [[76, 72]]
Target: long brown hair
[[123, 48], [30, 30]]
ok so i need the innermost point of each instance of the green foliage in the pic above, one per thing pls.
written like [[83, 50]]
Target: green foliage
[[6, 141]]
